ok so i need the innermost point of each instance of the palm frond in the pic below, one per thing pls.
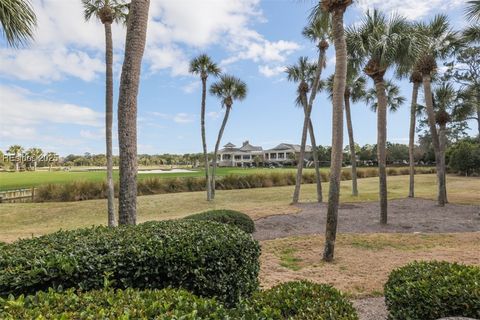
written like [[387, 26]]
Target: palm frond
[[472, 12], [18, 21], [204, 66], [228, 89]]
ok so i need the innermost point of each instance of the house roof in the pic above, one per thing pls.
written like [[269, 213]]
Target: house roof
[[290, 147], [248, 147], [229, 145]]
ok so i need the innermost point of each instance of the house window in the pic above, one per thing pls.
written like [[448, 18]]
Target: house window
[[238, 157], [246, 157], [281, 155], [226, 157], [273, 156]]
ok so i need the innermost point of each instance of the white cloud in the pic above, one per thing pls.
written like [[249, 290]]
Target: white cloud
[[183, 118], [21, 108], [191, 87], [91, 134], [214, 115], [271, 71], [411, 9]]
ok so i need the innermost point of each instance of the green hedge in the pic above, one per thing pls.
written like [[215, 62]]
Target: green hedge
[[232, 217], [304, 300], [208, 258], [112, 304], [433, 290]]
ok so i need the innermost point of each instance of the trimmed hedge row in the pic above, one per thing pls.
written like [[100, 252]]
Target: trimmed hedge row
[[85, 190], [433, 290], [112, 304], [292, 300], [231, 217], [207, 258]]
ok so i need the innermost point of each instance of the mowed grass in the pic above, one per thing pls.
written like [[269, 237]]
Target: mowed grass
[[29, 179], [20, 220], [362, 261]]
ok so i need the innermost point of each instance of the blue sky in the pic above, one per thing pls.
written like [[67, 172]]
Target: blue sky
[[52, 93]]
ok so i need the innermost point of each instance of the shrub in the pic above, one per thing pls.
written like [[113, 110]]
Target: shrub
[[235, 218], [304, 300], [433, 290], [464, 157], [112, 304], [207, 258]]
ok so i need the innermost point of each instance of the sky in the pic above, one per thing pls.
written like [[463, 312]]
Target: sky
[[52, 92]]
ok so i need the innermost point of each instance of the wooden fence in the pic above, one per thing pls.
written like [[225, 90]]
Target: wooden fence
[[18, 195]]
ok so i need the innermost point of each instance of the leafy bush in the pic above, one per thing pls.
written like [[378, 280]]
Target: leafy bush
[[235, 218], [304, 300], [112, 304], [207, 258], [433, 290], [464, 157]]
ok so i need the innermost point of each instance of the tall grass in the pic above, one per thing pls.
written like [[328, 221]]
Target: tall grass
[[85, 190]]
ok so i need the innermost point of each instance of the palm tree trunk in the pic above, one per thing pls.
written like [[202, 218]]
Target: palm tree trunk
[[351, 142], [411, 142], [108, 122], [308, 111], [427, 87], [381, 147], [217, 146], [204, 140], [442, 139], [318, 177], [339, 84], [127, 109]]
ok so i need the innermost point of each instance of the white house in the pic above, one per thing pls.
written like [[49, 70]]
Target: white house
[[247, 154]]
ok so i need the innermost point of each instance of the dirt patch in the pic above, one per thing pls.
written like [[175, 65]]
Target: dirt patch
[[362, 261], [371, 308], [405, 216]]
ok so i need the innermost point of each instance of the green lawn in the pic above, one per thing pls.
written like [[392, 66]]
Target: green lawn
[[27, 219], [28, 179]]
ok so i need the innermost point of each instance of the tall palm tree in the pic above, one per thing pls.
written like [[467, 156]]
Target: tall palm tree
[[392, 92], [34, 154], [127, 109], [204, 66], [336, 9], [317, 31], [438, 42], [108, 12], [16, 150], [378, 44], [354, 92], [304, 74], [227, 89], [18, 21], [472, 11]]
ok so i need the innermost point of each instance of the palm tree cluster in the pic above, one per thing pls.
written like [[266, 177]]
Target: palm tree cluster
[[28, 159], [377, 47]]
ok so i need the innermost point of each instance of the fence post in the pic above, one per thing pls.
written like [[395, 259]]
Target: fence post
[[33, 194]]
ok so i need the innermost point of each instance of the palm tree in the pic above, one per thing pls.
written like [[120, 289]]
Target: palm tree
[[378, 44], [354, 92], [227, 89], [107, 11], [34, 154], [438, 42], [51, 158], [127, 109], [472, 11], [304, 73], [336, 9], [16, 150], [392, 92], [18, 21], [204, 66]]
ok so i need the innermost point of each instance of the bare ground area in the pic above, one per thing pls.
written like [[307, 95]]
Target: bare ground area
[[405, 216]]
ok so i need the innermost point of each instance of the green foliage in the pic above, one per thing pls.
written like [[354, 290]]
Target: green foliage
[[464, 157], [304, 300], [231, 217], [112, 304], [433, 290], [207, 258]]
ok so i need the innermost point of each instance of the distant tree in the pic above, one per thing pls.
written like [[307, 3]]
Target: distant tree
[[227, 89], [464, 157], [18, 21], [34, 154], [204, 66], [16, 150]]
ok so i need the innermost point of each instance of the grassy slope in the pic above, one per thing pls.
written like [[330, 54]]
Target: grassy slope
[[16, 180], [26, 219]]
